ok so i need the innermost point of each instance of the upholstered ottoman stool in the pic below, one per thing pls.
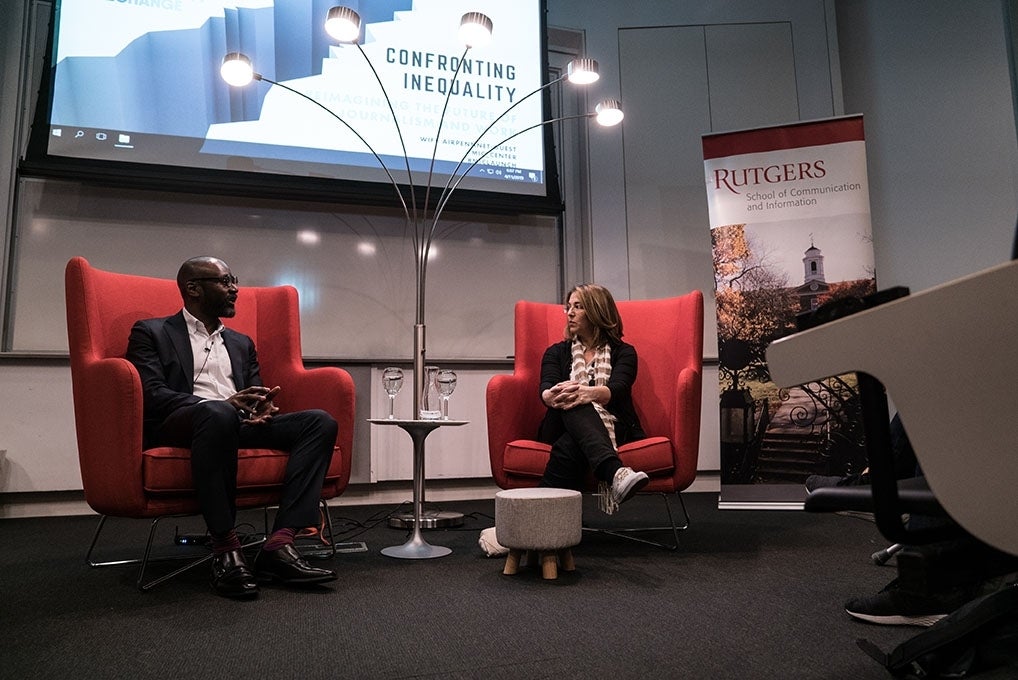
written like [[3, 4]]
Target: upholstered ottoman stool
[[544, 521]]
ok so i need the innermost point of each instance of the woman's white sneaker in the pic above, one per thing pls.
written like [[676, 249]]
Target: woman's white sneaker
[[626, 483]]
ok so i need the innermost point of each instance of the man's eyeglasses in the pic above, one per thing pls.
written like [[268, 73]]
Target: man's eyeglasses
[[226, 281]]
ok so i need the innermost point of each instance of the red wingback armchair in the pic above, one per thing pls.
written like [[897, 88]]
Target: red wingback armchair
[[668, 336], [119, 478]]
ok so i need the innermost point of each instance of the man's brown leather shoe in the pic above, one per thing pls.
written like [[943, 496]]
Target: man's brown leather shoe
[[285, 564], [231, 576]]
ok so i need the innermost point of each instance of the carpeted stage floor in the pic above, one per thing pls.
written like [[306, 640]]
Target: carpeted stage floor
[[748, 595]]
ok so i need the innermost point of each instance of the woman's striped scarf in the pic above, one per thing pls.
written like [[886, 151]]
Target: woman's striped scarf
[[597, 372]]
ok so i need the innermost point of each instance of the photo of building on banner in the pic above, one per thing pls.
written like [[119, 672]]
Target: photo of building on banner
[[790, 231]]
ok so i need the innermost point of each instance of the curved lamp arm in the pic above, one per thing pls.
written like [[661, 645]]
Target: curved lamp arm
[[323, 107], [581, 71], [601, 112], [399, 133]]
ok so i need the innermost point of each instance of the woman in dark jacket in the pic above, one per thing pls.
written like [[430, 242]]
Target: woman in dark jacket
[[586, 383]]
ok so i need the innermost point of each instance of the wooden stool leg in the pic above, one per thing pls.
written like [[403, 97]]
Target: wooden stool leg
[[512, 562], [531, 560], [565, 557], [549, 565]]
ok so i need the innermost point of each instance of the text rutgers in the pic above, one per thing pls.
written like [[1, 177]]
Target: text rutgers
[[770, 174]]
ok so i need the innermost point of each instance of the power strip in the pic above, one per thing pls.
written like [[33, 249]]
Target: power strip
[[324, 551]]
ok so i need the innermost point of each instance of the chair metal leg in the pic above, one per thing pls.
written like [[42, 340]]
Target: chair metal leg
[[326, 536], [147, 558], [627, 532], [330, 548], [91, 547], [130, 560], [144, 587], [328, 525]]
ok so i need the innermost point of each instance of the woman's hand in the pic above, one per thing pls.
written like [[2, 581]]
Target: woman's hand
[[570, 394], [561, 395]]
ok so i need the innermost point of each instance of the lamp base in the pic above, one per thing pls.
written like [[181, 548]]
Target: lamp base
[[416, 549], [430, 519]]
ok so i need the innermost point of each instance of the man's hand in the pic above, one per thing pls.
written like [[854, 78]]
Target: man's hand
[[255, 404]]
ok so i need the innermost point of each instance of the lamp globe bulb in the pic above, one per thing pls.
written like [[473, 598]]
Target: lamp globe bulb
[[582, 71], [236, 69], [343, 24], [609, 112], [475, 29]]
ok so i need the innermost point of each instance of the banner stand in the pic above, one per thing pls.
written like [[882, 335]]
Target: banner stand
[[790, 230]]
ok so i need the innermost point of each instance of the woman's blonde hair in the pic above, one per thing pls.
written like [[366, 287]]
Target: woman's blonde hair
[[599, 306]]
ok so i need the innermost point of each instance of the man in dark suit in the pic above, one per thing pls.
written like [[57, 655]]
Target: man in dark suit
[[202, 390]]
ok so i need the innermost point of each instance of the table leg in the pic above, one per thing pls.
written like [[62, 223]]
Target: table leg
[[416, 548]]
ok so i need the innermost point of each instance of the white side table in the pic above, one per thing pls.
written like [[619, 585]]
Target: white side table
[[416, 548]]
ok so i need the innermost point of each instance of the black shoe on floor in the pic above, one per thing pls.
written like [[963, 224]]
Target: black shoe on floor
[[286, 564], [814, 482], [893, 606], [231, 576]]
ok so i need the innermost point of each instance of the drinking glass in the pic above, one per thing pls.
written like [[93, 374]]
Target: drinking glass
[[446, 385], [392, 381]]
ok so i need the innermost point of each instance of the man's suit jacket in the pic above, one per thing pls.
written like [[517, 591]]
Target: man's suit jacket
[[161, 351]]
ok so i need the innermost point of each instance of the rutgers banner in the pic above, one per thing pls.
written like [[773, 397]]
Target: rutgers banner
[[790, 230]]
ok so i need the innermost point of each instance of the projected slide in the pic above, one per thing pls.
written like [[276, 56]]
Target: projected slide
[[138, 81]]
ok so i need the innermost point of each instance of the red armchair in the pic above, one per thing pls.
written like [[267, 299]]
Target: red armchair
[[668, 336], [119, 478]]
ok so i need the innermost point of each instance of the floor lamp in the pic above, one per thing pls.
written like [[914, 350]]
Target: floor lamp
[[344, 25]]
